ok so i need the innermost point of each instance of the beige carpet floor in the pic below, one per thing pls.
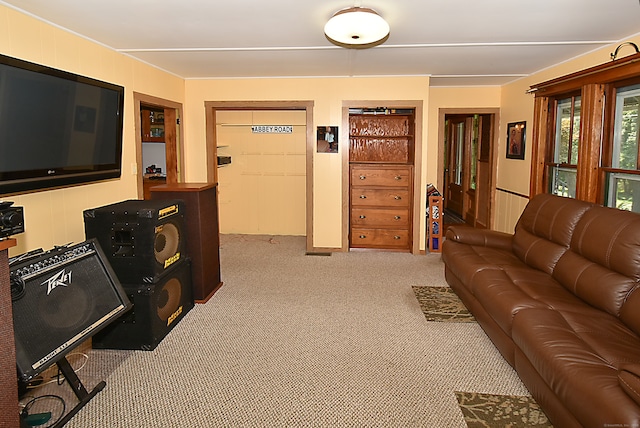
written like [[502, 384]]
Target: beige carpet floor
[[294, 340]]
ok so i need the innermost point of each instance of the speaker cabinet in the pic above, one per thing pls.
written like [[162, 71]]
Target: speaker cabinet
[[61, 298], [141, 239], [157, 308], [202, 230]]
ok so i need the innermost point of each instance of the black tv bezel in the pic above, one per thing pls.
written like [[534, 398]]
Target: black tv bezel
[[41, 179]]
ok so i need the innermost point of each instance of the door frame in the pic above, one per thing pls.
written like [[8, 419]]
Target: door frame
[[418, 201], [493, 157], [174, 147], [211, 107]]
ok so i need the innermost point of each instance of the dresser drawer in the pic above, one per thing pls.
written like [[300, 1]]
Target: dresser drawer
[[376, 176], [379, 238], [367, 217], [364, 197]]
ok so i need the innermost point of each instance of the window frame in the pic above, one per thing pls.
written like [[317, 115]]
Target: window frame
[[597, 87]]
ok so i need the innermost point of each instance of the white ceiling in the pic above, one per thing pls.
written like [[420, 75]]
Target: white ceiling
[[457, 42]]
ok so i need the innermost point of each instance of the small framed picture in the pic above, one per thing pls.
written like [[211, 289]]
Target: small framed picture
[[327, 138], [516, 137]]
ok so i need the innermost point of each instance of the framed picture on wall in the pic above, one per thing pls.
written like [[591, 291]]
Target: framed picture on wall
[[327, 137], [516, 137]]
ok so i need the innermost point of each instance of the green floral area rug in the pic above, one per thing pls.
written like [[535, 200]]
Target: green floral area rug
[[503, 411], [442, 304]]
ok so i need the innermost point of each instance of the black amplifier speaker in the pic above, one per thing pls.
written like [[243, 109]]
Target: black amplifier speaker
[[141, 238], [60, 298], [157, 308]]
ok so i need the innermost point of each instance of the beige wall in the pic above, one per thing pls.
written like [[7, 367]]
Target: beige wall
[[55, 217], [517, 105], [328, 95], [263, 190]]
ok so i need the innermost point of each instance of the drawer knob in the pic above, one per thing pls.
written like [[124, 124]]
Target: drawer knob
[[363, 177], [396, 237], [397, 217], [363, 196], [363, 216], [363, 236], [398, 177], [397, 198]]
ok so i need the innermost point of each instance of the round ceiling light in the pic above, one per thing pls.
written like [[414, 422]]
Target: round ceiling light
[[356, 27]]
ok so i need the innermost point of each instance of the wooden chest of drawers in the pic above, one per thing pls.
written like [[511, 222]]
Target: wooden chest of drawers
[[380, 206]]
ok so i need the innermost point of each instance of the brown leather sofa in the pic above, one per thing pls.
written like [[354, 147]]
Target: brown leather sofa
[[560, 300]]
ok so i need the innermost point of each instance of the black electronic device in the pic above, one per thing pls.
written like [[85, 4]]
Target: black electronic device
[[141, 238], [60, 298], [11, 219], [157, 308], [224, 160], [56, 128]]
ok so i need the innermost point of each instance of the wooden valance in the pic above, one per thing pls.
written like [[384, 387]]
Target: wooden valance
[[616, 70]]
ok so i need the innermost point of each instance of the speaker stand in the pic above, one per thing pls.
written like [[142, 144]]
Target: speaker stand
[[78, 388]]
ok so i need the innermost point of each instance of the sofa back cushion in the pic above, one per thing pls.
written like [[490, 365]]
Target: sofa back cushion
[[543, 232], [602, 266]]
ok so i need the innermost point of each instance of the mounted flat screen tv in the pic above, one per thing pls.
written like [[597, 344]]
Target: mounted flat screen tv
[[56, 128]]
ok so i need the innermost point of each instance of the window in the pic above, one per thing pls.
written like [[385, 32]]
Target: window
[[586, 135], [623, 179], [563, 168]]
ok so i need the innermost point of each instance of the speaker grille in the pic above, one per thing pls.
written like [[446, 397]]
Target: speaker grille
[[167, 242], [169, 298], [64, 303]]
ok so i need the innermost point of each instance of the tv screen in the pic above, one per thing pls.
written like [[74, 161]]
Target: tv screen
[[56, 128]]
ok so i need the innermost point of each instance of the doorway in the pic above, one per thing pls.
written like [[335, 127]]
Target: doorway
[[468, 165], [212, 108], [159, 158]]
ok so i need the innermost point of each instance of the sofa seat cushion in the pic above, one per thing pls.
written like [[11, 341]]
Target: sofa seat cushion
[[503, 293], [578, 355], [465, 261]]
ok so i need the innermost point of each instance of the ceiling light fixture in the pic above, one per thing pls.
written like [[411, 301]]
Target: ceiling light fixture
[[357, 28]]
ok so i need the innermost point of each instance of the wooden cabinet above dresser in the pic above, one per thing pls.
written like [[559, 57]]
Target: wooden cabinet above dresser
[[381, 181]]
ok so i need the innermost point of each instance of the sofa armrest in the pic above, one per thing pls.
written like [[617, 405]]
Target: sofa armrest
[[629, 378], [482, 237]]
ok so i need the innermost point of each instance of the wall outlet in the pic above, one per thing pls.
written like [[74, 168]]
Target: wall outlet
[[134, 168]]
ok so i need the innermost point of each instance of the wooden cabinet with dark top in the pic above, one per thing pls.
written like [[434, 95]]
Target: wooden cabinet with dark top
[[202, 233], [381, 148]]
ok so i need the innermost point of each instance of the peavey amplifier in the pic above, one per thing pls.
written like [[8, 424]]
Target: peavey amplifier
[[60, 298]]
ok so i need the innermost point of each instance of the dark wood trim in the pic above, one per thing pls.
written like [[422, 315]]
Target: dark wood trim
[[171, 145], [624, 68], [591, 123], [539, 146], [499, 189]]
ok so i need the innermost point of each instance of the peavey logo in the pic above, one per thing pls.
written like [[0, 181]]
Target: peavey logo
[[62, 278]]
